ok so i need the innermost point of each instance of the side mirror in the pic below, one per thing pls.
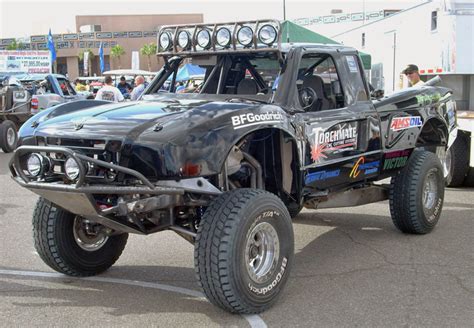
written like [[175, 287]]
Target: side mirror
[[377, 94]]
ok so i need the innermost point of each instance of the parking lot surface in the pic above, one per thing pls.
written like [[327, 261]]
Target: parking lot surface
[[352, 268]]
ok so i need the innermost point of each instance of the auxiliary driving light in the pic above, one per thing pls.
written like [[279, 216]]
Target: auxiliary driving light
[[34, 164], [165, 41], [223, 37], [267, 34], [204, 39], [245, 36], [71, 168], [184, 40]]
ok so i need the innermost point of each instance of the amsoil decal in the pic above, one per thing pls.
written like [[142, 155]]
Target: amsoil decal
[[249, 119], [396, 159], [338, 138], [402, 123], [322, 175], [362, 166]]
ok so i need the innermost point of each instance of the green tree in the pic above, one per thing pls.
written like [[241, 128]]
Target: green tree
[[148, 50], [15, 46], [89, 62], [116, 52]]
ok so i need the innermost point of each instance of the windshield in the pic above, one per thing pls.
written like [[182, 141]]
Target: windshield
[[250, 76]]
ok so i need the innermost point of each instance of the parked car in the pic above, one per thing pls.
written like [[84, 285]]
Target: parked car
[[228, 167]]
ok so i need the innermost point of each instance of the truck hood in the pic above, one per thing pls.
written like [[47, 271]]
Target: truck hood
[[129, 120]]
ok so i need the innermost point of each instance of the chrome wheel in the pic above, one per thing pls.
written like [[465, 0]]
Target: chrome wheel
[[88, 235], [430, 192], [11, 137], [262, 252]]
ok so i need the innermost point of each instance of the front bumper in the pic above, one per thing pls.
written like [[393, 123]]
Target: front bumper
[[78, 198]]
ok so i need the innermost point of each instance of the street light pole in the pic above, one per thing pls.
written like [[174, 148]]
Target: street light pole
[[284, 10]]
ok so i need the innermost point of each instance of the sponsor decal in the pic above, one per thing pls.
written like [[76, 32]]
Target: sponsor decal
[[268, 288], [396, 159], [402, 123], [249, 119], [322, 175], [338, 138], [362, 166]]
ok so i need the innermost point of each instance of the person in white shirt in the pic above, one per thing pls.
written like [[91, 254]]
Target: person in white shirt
[[109, 92], [413, 76], [139, 88]]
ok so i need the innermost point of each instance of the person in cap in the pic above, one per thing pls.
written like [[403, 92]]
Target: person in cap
[[124, 87], [413, 76]]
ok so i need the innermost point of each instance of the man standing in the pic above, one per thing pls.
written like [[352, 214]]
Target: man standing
[[139, 88], [411, 72], [109, 92], [124, 87]]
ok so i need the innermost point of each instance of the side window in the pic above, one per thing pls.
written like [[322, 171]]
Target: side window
[[318, 72], [356, 77]]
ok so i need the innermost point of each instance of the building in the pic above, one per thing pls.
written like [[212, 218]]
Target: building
[[129, 31]]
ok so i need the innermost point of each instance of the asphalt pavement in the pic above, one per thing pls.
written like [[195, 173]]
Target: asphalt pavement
[[352, 269]]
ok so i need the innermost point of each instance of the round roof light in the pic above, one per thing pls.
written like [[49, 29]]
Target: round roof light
[[34, 164], [223, 37], [267, 34], [165, 41], [204, 39], [245, 36], [72, 169], [184, 40]]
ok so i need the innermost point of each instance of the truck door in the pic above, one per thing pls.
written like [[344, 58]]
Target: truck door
[[341, 127]]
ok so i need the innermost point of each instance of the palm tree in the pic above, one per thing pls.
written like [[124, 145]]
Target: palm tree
[[148, 50], [117, 51], [89, 62]]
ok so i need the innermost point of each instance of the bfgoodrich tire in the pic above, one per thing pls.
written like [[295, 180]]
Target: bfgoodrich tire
[[417, 194], [64, 244], [244, 250], [8, 136]]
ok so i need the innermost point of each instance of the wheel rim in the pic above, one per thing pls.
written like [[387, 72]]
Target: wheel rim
[[430, 192], [89, 236], [262, 252], [447, 163], [11, 137]]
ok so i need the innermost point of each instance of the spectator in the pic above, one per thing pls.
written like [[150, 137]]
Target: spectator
[[124, 87], [80, 86], [139, 88], [411, 72], [109, 92]]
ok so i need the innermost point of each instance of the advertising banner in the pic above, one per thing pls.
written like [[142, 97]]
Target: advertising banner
[[25, 61]]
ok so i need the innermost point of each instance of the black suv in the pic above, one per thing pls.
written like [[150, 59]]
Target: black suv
[[273, 127]]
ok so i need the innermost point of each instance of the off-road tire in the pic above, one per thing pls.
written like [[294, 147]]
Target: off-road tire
[[459, 161], [220, 250], [54, 241], [6, 128], [409, 214]]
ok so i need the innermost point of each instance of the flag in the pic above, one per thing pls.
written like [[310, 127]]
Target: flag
[[51, 46], [101, 58]]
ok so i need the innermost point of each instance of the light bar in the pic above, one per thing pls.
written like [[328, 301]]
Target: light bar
[[243, 36]]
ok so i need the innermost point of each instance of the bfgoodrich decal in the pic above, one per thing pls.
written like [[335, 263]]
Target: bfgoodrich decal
[[338, 138], [249, 119]]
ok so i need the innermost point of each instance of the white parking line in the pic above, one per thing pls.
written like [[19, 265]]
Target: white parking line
[[255, 321]]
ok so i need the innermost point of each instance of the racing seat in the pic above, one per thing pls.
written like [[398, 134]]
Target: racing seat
[[247, 87], [316, 83]]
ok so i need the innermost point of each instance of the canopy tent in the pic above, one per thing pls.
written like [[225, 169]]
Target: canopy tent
[[189, 72], [292, 32]]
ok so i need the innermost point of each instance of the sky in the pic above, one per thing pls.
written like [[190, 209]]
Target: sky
[[20, 18]]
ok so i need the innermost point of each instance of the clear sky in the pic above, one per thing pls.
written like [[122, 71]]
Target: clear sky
[[20, 18]]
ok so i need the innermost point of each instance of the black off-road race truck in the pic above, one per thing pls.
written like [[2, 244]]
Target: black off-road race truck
[[274, 127]]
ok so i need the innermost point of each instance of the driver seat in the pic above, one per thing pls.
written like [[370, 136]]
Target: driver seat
[[316, 83]]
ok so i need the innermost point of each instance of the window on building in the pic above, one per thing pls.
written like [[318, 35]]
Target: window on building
[[97, 28], [363, 40], [434, 20]]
